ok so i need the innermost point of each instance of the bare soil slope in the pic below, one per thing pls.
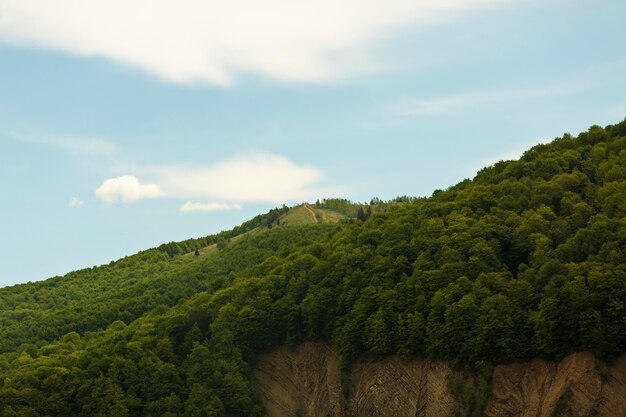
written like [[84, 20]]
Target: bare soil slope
[[578, 386], [392, 387], [305, 381]]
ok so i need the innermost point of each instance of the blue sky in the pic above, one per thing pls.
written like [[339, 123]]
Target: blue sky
[[124, 125]]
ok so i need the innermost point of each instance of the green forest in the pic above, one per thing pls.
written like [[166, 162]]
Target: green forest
[[527, 259]]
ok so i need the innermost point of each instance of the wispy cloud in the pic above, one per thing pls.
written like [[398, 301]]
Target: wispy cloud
[[453, 103], [212, 41], [82, 146], [126, 189], [260, 177], [76, 203], [191, 206]]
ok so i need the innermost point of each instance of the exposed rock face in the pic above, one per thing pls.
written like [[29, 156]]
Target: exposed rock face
[[306, 382], [392, 387], [578, 386]]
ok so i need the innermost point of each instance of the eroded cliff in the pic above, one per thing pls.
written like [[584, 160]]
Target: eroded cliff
[[578, 386], [305, 381], [301, 381]]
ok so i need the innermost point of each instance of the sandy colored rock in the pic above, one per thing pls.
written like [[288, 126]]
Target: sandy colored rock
[[305, 381], [396, 388], [578, 386]]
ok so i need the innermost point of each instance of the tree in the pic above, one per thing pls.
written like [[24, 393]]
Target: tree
[[360, 214], [203, 402], [377, 334], [107, 400]]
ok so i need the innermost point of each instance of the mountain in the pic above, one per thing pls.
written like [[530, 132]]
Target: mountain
[[524, 261]]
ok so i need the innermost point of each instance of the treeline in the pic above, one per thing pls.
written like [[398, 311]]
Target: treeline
[[190, 245], [527, 259], [360, 211]]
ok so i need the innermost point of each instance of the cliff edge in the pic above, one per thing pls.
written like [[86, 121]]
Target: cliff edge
[[305, 381]]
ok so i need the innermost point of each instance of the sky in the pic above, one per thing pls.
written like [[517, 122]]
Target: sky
[[127, 124]]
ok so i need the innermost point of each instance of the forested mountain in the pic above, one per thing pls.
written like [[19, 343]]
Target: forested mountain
[[525, 260]]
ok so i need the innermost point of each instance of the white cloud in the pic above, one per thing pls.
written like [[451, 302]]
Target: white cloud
[[211, 41], [126, 189], [76, 203], [462, 101], [257, 178], [249, 178], [191, 206]]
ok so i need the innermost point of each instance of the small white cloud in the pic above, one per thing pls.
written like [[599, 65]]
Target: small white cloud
[[250, 178], [76, 203], [126, 189], [211, 41], [190, 206]]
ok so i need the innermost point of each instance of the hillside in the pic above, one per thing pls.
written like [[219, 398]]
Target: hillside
[[524, 261], [93, 298]]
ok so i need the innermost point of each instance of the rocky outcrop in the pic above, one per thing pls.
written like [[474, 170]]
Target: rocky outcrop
[[578, 386], [305, 381], [392, 387]]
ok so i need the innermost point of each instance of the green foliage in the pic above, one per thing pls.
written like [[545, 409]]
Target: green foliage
[[527, 259]]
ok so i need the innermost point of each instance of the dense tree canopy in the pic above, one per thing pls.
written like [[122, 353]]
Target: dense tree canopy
[[527, 259]]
